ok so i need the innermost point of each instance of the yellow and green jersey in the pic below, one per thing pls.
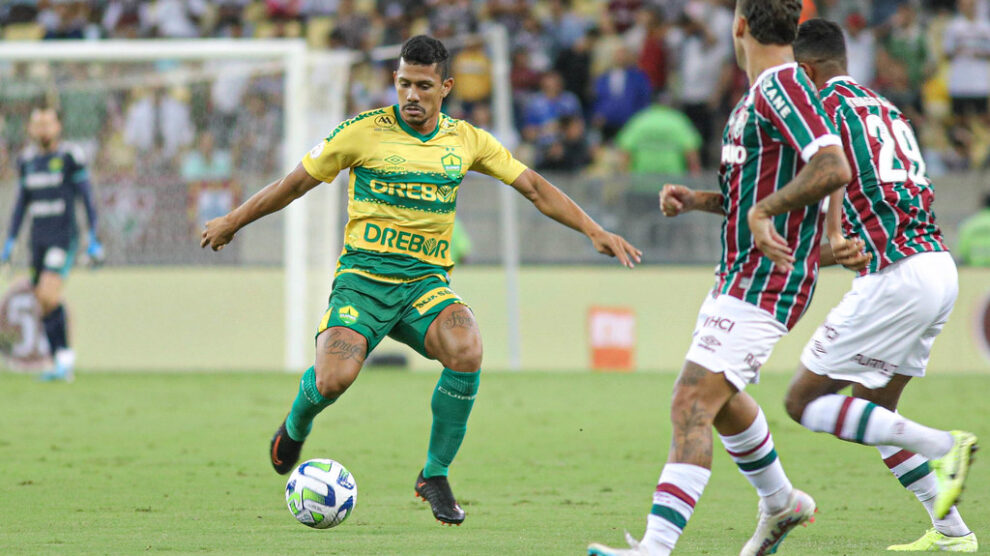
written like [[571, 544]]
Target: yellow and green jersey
[[402, 191]]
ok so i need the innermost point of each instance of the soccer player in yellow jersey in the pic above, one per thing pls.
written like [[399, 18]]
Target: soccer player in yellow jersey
[[406, 164]]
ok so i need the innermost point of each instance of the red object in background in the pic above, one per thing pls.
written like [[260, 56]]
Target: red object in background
[[808, 11], [612, 337]]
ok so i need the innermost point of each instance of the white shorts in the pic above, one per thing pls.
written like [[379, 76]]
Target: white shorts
[[886, 324], [734, 338]]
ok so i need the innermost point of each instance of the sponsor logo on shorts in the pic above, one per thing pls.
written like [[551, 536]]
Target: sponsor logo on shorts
[[752, 362], [830, 332], [720, 323], [431, 298], [709, 343], [874, 363], [348, 314], [818, 349]]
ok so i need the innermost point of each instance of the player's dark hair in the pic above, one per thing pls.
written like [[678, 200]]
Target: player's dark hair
[[820, 40], [425, 51], [771, 21]]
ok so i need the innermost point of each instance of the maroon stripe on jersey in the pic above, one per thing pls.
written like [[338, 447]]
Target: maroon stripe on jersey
[[796, 94], [842, 416], [748, 452], [676, 492], [898, 458]]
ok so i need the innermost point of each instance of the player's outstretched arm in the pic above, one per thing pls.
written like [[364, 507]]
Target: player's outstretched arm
[[678, 199], [273, 198], [20, 207], [827, 171], [555, 204]]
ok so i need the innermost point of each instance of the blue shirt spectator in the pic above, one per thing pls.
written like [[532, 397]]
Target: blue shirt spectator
[[549, 105], [620, 93]]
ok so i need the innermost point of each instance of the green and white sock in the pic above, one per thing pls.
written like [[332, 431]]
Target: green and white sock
[[307, 405], [452, 401]]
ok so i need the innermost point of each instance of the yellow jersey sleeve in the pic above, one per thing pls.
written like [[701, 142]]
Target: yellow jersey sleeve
[[492, 158], [341, 149]]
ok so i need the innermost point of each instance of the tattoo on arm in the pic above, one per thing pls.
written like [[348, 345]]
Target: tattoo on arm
[[342, 349], [823, 174], [461, 318], [709, 201]]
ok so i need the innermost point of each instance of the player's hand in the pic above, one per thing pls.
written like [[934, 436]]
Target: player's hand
[[95, 251], [767, 240], [616, 246], [8, 249], [676, 199], [217, 233], [849, 252]]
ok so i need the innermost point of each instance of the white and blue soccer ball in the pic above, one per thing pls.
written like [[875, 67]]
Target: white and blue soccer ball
[[321, 493]]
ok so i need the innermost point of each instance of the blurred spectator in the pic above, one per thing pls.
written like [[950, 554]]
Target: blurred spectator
[[567, 152], [472, 72], [906, 42], [605, 42], [860, 49], [175, 120], [564, 26], [252, 149], [226, 93], [351, 24], [126, 18], [547, 107], [65, 20], [653, 56], [620, 93], [974, 237], [177, 19], [206, 162], [453, 17], [623, 13], [537, 43], [19, 11], [139, 121], [660, 140], [967, 45], [706, 68], [574, 64]]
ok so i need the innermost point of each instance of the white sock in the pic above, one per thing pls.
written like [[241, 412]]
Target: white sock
[[678, 490], [754, 454], [914, 474], [863, 422]]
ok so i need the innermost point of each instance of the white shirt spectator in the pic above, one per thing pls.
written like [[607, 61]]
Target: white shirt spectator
[[967, 44], [176, 122], [861, 56], [139, 124], [174, 18], [702, 61]]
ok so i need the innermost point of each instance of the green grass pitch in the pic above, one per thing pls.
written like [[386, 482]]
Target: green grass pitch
[[177, 463]]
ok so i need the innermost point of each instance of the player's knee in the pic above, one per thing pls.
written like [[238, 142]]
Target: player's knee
[[332, 385], [794, 405], [47, 300], [465, 357]]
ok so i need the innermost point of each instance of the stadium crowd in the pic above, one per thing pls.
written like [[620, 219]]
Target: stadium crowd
[[612, 86]]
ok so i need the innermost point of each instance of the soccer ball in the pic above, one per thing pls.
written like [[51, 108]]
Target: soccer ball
[[321, 493]]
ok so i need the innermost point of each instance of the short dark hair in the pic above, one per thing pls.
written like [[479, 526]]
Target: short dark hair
[[771, 21], [424, 50], [820, 40]]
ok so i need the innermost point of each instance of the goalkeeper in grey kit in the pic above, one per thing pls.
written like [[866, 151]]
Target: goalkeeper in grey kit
[[52, 176]]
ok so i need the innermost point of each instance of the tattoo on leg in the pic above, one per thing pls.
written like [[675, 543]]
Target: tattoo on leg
[[342, 349], [461, 318], [691, 376], [692, 440]]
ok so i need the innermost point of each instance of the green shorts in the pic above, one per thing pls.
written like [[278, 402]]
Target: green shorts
[[375, 309]]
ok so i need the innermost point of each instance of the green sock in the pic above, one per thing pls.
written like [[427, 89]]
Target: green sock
[[308, 404], [452, 401]]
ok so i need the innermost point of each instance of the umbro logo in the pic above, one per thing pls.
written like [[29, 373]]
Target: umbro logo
[[384, 121], [709, 343]]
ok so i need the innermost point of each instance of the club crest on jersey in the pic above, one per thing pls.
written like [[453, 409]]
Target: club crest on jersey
[[55, 164], [451, 165], [737, 122], [348, 314]]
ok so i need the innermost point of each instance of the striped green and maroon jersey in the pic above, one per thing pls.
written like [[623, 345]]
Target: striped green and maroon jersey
[[889, 201], [772, 133]]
